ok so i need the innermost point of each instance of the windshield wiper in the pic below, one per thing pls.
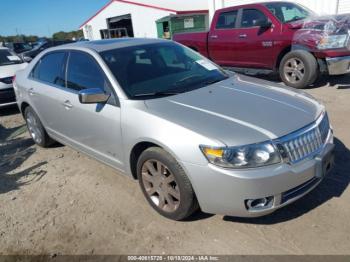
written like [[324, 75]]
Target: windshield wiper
[[184, 80], [295, 19], [160, 93], [213, 81]]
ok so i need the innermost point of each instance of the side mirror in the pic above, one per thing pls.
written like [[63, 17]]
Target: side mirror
[[93, 96], [265, 24]]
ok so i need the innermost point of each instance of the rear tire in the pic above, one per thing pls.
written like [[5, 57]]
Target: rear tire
[[298, 69], [36, 129], [165, 184]]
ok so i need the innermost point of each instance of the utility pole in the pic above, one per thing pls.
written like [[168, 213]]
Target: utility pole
[[337, 7]]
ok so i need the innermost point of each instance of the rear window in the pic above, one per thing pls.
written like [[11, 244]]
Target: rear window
[[227, 20], [7, 58]]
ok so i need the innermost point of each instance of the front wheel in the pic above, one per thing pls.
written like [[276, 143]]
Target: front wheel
[[298, 69], [165, 184]]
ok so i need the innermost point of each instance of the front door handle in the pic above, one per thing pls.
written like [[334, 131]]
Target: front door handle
[[214, 36], [67, 104], [31, 92], [243, 36]]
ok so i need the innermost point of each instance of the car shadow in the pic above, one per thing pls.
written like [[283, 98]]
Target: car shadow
[[340, 82], [14, 151], [9, 110], [332, 186]]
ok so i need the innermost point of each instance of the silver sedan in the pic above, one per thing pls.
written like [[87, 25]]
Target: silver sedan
[[193, 135]]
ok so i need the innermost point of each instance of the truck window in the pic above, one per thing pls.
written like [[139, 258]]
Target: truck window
[[227, 20], [252, 18]]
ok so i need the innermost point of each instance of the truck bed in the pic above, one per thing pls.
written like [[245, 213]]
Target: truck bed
[[197, 41]]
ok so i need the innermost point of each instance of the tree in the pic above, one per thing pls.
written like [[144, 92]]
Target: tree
[[68, 35]]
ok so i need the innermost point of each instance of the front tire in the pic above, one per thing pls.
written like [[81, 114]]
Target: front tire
[[165, 184], [36, 129], [298, 69]]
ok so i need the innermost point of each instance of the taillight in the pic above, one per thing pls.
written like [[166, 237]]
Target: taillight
[[14, 78]]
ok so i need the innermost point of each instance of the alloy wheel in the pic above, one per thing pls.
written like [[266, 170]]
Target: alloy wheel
[[294, 70], [160, 185], [33, 127]]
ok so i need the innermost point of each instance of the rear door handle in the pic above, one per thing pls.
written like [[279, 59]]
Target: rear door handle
[[214, 36], [67, 104], [243, 36], [31, 91]]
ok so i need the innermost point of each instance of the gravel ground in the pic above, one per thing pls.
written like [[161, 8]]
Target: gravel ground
[[58, 201]]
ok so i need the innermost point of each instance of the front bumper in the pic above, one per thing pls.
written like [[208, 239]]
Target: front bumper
[[338, 65], [225, 191], [7, 96]]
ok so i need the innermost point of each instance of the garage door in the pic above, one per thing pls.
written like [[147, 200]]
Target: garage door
[[344, 6]]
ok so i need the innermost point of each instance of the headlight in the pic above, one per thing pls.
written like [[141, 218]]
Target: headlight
[[333, 41], [249, 156]]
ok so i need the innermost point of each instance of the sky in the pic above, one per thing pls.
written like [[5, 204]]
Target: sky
[[45, 17]]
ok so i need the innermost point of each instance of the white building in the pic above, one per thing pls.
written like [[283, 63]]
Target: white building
[[137, 17]]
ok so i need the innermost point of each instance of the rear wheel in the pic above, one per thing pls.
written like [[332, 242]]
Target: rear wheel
[[298, 69], [36, 129], [165, 184]]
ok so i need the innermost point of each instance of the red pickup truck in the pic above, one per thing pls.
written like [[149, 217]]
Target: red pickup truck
[[280, 37]]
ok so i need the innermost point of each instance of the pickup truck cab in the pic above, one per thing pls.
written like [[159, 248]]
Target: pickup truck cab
[[281, 37]]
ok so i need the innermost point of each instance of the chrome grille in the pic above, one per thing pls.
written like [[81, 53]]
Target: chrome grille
[[306, 142]]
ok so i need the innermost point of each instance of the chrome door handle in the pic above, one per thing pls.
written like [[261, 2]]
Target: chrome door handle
[[31, 91], [214, 36], [67, 104], [243, 36]]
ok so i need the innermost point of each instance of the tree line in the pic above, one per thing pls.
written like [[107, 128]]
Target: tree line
[[33, 38]]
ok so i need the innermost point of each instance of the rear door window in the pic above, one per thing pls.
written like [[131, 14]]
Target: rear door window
[[50, 69], [227, 20]]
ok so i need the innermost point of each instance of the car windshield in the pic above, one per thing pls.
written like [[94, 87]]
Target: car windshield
[[7, 58], [160, 69], [289, 12], [21, 47]]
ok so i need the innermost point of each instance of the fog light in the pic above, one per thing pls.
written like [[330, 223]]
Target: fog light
[[259, 203]]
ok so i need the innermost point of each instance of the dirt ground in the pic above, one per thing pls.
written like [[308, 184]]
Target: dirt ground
[[58, 201]]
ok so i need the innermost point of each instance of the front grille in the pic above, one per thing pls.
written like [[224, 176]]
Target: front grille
[[305, 142]]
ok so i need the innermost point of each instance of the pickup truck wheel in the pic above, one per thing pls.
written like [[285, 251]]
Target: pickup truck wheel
[[165, 184], [298, 69], [36, 129]]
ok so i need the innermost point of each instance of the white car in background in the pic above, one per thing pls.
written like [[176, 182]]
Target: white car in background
[[10, 63]]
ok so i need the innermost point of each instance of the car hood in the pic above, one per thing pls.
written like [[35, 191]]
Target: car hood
[[239, 110], [10, 70]]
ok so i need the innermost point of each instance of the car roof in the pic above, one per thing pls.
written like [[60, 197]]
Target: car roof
[[109, 44]]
